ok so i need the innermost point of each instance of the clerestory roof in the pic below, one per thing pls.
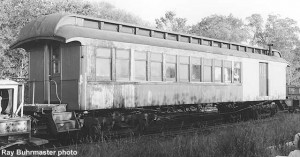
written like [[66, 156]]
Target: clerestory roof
[[69, 27]]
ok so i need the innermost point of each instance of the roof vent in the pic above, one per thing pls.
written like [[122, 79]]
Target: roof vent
[[270, 49]]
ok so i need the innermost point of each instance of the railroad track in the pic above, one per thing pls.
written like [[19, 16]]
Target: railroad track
[[171, 133], [188, 131]]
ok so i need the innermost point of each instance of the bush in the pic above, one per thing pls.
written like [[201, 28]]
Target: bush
[[247, 139]]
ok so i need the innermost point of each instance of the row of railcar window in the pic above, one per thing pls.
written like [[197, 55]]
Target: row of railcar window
[[153, 66]]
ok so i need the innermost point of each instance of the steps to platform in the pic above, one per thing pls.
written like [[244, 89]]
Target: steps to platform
[[63, 122], [61, 116], [38, 141], [53, 118], [66, 125], [41, 129]]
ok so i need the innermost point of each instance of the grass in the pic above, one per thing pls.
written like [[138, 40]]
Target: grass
[[249, 139]]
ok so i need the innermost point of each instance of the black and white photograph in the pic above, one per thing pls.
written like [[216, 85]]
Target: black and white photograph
[[150, 78]]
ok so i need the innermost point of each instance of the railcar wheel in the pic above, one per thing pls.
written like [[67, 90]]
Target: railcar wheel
[[291, 109], [95, 132], [257, 114], [239, 117], [139, 127], [274, 110], [235, 117]]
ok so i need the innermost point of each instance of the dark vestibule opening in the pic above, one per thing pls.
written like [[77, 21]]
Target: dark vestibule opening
[[7, 100]]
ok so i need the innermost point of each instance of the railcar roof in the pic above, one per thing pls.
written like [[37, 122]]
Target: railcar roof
[[69, 27]]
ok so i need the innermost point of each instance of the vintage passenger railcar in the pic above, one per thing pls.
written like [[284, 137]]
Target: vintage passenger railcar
[[90, 64]]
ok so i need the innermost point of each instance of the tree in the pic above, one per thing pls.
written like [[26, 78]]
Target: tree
[[108, 11], [283, 33], [222, 27], [293, 72], [255, 25], [13, 16], [17, 13], [172, 23]]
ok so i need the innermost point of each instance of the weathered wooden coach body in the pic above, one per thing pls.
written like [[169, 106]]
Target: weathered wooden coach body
[[91, 63]]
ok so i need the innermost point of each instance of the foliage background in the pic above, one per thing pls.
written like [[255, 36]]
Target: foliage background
[[254, 30]]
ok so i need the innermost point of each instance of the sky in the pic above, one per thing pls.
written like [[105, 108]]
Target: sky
[[195, 10]]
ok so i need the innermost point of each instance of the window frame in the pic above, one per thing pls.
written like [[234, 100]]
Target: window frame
[[53, 61], [184, 63], [200, 68], [110, 58], [211, 69], [174, 62], [218, 65], [227, 65], [152, 60], [121, 58], [135, 59], [240, 68]]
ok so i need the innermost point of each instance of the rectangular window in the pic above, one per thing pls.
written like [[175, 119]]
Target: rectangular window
[[249, 49], [234, 47], [144, 32], [227, 71], [216, 44], [185, 39], [225, 46], [196, 69], [157, 34], [218, 70], [207, 70], [171, 67], [242, 48], [140, 65], [90, 24], [184, 69], [218, 74], [156, 67], [103, 63], [237, 72], [55, 59], [172, 37], [258, 51], [122, 64], [110, 27], [127, 29], [206, 42], [195, 40]]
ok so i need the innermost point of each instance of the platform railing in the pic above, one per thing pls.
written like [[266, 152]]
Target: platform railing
[[293, 91], [21, 106], [33, 87], [292, 97]]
